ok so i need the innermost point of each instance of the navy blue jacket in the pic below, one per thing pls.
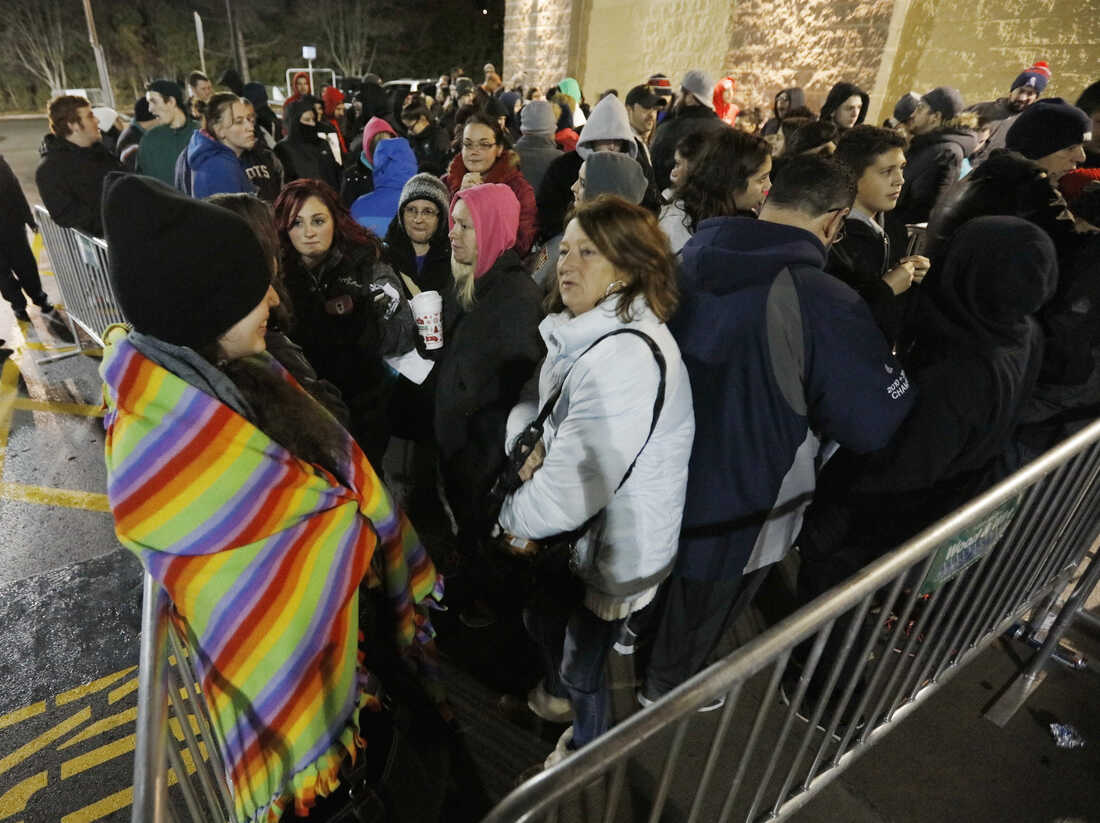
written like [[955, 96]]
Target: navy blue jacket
[[782, 359]]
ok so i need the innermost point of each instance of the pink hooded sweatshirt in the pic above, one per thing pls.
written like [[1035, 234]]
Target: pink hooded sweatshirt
[[494, 210], [373, 127]]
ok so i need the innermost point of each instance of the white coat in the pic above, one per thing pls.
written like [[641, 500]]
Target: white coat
[[596, 429]]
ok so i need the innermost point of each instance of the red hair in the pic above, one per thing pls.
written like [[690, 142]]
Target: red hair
[[348, 232]]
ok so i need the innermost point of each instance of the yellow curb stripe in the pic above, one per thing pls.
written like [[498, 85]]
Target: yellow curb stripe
[[35, 346], [66, 498], [45, 739], [99, 755], [126, 688], [101, 726], [91, 688], [80, 409], [25, 713], [101, 808], [14, 800]]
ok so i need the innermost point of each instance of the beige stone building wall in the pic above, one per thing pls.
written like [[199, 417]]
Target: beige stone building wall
[[628, 40], [537, 40], [886, 46], [807, 43], [980, 47]]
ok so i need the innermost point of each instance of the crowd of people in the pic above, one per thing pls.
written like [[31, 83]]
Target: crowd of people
[[634, 353]]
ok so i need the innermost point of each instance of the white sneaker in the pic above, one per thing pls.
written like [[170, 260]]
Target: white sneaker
[[548, 707], [561, 750], [715, 703]]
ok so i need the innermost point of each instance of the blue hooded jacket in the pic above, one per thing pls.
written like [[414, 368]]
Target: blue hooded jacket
[[394, 164], [208, 167], [782, 359]]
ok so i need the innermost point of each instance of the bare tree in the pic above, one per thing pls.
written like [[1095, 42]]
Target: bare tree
[[37, 35], [346, 25]]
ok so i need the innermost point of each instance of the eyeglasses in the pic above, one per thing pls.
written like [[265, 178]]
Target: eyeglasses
[[484, 145], [844, 210], [412, 212]]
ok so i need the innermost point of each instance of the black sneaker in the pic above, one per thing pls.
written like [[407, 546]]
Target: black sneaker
[[21, 314]]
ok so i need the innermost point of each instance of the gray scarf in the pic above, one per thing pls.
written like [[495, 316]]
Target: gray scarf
[[194, 369]]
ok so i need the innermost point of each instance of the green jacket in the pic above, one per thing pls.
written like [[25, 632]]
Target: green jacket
[[159, 149]]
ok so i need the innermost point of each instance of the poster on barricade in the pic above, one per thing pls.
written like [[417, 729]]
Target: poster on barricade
[[969, 546]]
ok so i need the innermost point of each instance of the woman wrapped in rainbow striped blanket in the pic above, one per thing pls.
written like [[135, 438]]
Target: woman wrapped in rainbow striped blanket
[[248, 502]]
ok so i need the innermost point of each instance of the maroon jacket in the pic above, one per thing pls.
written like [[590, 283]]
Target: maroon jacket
[[505, 170]]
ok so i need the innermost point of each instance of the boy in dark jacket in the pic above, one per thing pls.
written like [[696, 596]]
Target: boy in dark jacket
[[870, 256], [763, 411], [74, 163]]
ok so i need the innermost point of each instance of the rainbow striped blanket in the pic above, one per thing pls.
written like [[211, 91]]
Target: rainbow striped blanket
[[263, 555]]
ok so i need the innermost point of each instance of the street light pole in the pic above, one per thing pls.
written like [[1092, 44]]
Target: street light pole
[[100, 59]]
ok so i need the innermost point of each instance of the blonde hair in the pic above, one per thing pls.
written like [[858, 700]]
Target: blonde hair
[[464, 282]]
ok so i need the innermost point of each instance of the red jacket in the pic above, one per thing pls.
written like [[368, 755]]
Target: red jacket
[[505, 170]]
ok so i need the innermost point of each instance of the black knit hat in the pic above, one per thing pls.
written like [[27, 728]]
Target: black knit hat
[[1047, 126], [166, 89], [168, 295]]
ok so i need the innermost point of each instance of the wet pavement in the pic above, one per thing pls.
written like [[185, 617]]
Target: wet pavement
[[69, 594]]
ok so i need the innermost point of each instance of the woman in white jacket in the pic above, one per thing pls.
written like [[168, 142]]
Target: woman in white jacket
[[615, 272]]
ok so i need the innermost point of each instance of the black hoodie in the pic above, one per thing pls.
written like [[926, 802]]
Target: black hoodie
[[838, 94], [975, 366], [303, 153]]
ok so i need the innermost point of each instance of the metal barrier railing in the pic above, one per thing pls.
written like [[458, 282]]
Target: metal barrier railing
[[172, 710], [987, 564], [906, 624], [79, 264]]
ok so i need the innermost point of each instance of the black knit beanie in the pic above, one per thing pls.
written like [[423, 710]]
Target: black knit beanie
[[169, 295], [166, 89], [1047, 126]]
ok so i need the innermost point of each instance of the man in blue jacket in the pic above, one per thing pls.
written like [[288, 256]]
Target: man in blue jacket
[[784, 360]]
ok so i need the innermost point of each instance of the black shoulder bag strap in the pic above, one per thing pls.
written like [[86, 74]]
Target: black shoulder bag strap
[[658, 403]]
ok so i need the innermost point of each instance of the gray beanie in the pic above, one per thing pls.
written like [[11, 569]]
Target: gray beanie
[[428, 187], [537, 117], [946, 100], [609, 172]]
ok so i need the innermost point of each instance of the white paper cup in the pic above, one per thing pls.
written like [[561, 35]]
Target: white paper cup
[[427, 309]]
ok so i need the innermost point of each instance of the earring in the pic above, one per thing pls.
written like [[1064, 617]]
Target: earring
[[613, 286]]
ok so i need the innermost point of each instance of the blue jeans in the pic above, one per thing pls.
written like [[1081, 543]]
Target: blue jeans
[[574, 648]]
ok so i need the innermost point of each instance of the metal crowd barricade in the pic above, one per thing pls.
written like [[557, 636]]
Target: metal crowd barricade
[[79, 264], [904, 626], [172, 710]]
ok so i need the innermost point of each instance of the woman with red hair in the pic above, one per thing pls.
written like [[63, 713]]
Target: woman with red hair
[[724, 106], [349, 311]]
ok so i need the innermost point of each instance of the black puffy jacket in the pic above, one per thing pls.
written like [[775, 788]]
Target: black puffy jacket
[[934, 162]]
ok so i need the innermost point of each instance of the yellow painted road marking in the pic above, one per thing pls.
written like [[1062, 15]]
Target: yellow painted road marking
[[14, 800], [82, 409], [91, 688], [45, 739], [34, 345], [99, 755], [101, 808], [101, 726], [66, 498], [25, 713], [9, 382], [115, 695]]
